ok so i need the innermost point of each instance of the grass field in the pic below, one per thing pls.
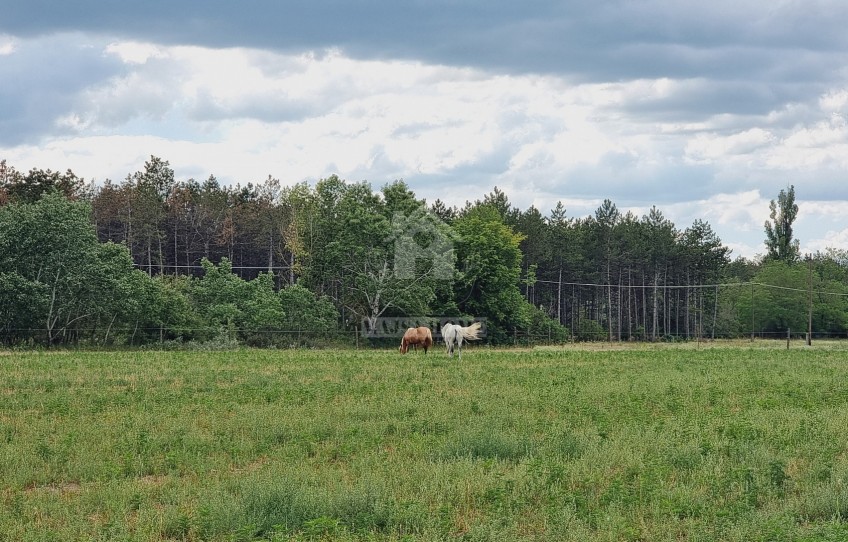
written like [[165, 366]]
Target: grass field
[[734, 443]]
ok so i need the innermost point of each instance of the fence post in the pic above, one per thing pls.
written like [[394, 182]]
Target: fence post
[[752, 312], [787, 338], [810, 307]]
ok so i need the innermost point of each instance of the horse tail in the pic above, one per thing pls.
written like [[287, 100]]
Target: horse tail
[[472, 332]]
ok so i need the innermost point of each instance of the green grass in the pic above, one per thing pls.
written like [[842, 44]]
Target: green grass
[[599, 443]]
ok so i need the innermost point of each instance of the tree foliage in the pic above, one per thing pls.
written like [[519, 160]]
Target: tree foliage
[[489, 260], [157, 259], [780, 243]]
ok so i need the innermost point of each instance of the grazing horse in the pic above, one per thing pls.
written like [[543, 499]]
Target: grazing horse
[[415, 336], [455, 334]]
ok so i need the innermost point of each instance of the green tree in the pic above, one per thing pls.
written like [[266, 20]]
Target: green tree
[[351, 250], [489, 261], [660, 238], [498, 200], [299, 228], [307, 315], [705, 259], [779, 242], [446, 214], [248, 311], [535, 249], [324, 251], [16, 187], [603, 227], [565, 258], [269, 214], [147, 213], [781, 299], [109, 211], [779, 307], [399, 198], [170, 308], [65, 284], [22, 305]]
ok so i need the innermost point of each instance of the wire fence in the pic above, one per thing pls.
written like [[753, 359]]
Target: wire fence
[[171, 338], [625, 311], [591, 312]]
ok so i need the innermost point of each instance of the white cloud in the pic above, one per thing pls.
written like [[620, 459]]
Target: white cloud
[[745, 250], [821, 135], [708, 147], [746, 210], [835, 101], [132, 52], [831, 239], [8, 44], [823, 210], [243, 114]]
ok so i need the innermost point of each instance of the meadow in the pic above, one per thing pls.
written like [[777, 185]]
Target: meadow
[[715, 442]]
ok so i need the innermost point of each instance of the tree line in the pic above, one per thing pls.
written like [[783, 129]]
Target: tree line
[[153, 259]]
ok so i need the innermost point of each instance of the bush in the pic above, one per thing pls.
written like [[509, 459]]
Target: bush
[[590, 330], [545, 329]]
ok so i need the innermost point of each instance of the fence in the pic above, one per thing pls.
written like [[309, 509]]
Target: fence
[[624, 312], [588, 311]]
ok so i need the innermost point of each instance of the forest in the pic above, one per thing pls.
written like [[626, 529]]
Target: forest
[[154, 260]]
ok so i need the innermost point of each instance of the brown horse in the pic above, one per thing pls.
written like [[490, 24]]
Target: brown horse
[[415, 336]]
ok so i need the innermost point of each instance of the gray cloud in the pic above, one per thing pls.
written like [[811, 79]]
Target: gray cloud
[[745, 77], [593, 41], [41, 82], [756, 58]]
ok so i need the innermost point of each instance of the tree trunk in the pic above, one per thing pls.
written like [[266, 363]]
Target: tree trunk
[[271, 253], [109, 329], [715, 312], [619, 304], [629, 297], [644, 306], [688, 302], [176, 252], [52, 312], [677, 312], [656, 305], [187, 256], [161, 255], [609, 302], [559, 297]]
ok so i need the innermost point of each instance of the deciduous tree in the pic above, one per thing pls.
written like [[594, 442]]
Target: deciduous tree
[[780, 243]]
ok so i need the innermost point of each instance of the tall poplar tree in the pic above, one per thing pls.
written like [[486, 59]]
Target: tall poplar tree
[[779, 242]]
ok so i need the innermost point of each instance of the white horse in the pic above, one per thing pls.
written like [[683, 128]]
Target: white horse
[[455, 334]]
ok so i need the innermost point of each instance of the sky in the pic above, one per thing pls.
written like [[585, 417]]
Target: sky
[[705, 110]]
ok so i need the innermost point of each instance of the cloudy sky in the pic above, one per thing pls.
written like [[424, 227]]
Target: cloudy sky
[[704, 109]]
